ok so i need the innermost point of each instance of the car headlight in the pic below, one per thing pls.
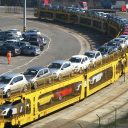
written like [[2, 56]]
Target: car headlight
[[3, 113]]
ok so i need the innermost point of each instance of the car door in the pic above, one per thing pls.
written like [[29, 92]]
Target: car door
[[86, 62], [13, 85], [98, 57], [46, 72], [40, 74], [17, 107], [66, 68], [17, 83]]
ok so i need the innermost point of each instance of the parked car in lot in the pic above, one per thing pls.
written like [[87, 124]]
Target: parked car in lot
[[106, 50], [12, 82], [61, 68], [31, 50], [34, 73], [18, 43], [79, 62], [93, 55], [14, 50], [35, 40], [31, 31], [17, 33], [8, 109]]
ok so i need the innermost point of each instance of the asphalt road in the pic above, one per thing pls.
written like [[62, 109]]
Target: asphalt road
[[63, 42]]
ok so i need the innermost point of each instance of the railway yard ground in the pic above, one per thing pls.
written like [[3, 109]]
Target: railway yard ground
[[98, 110]]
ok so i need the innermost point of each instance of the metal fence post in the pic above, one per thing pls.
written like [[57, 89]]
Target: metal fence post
[[115, 109], [99, 120]]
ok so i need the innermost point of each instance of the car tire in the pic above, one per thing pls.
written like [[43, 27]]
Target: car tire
[[72, 74], [8, 93], [41, 48], [59, 97], [80, 71], [35, 85], [25, 89], [60, 77], [9, 114]]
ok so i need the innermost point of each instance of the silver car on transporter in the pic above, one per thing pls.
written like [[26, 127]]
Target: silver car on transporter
[[12, 82]]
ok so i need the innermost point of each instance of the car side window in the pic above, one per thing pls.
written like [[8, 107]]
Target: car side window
[[85, 58], [97, 55], [45, 71], [16, 102], [14, 80], [66, 65], [41, 72], [17, 79]]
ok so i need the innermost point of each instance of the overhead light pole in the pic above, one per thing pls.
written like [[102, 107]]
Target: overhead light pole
[[24, 15]]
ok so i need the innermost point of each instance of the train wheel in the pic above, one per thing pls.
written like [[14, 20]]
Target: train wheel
[[80, 71], [8, 93], [25, 88], [60, 97], [35, 85], [60, 77]]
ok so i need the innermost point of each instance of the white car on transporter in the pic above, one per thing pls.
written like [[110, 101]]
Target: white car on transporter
[[79, 62], [61, 68], [93, 55]]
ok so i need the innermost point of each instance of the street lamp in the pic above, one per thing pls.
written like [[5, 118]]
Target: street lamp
[[24, 15]]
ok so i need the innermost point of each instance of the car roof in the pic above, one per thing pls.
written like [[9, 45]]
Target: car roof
[[105, 46], [79, 56], [61, 61], [92, 51], [11, 74], [32, 46], [117, 39], [37, 67]]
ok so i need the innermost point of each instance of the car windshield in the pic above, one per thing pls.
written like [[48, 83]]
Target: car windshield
[[103, 49], [117, 40], [5, 79], [5, 105], [32, 72], [90, 55], [55, 65], [112, 44], [75, 60]]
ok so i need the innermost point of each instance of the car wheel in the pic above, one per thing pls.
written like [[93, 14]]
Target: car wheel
[[80, 71], [8, 94], [25, 88], [60, 77], [41, 48], [33, 54], [60, 97], [72, 74], [9, 114], [35, 85]]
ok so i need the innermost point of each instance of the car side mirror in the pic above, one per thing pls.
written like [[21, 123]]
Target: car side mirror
[[11, 83], [38, 75]]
